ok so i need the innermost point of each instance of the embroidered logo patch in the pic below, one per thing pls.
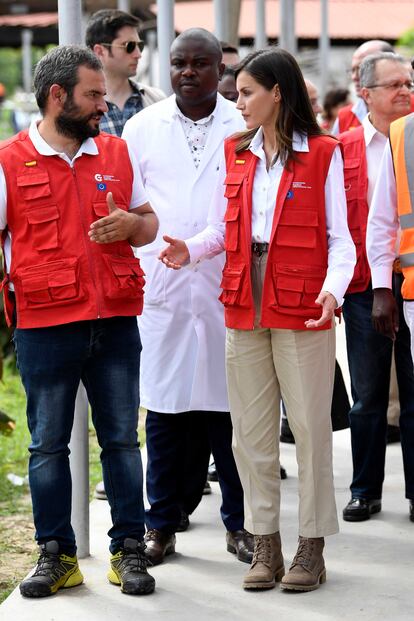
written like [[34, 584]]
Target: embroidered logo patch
[[301, 185], [101, 186]]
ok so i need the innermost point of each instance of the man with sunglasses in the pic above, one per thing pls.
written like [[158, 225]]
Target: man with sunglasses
[[386, 86], [113, 36]]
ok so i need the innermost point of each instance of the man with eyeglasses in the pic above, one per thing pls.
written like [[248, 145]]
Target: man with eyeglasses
[[351, 116], [113, 36], [385, 85]]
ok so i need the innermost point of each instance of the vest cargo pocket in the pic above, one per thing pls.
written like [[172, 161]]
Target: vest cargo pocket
[[289, 291], [49, 284], [232, 283], [233, 183], [298, 228], [43, 224], [296, 288], [126, 278], [351, 176], [232, 231]]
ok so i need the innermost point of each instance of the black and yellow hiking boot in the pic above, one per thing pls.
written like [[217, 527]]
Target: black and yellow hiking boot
[[129, 569], [53, 571]]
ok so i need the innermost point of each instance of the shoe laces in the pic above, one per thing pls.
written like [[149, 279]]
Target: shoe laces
[[304, 552], [134, 560], [152, 534], [46, 564], [262, 549]]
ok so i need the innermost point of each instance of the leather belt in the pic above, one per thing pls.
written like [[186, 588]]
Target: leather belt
[[259, 248]]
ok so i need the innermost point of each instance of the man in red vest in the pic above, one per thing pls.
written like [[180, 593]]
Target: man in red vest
[[71, 206], [351, 116], [386, 84]]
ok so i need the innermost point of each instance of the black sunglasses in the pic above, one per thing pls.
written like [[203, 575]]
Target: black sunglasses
[[129, 46]]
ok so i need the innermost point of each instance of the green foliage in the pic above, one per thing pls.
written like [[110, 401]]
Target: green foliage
[[11, 66], [407, 39]]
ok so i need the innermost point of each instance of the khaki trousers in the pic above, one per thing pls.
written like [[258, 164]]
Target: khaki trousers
[[264, 365]]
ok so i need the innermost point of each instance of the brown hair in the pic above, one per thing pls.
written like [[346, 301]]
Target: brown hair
[[277, 66]]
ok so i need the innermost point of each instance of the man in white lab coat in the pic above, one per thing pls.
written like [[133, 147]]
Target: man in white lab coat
[[178, 143]]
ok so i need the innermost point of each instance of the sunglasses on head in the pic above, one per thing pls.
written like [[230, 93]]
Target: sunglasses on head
[[129, 46]]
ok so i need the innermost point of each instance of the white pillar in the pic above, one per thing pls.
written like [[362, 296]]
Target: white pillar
[[261, 38], [27, 37], [165, 36], [287, 37], [70, 32], [226, 20], [70, 22], [324, 48], [79, 466], [124, 5]]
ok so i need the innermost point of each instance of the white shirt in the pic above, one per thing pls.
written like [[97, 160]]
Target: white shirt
[[375, 143], [383, 224], [196, 133], [88, 147], [341, 249]]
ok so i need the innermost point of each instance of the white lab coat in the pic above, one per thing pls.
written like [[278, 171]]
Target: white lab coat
[[182, 325]]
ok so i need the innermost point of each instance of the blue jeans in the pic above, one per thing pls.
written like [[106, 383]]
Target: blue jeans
[[105, 355], [369, 358]]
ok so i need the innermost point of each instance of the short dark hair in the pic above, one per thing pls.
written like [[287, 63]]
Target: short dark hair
[[333, 98], [103, 26], [227, 47], [60, 66]]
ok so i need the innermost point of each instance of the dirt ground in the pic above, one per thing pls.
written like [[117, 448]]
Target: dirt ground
[[18, 548]]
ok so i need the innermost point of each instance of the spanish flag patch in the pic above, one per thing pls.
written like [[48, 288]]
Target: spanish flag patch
[[31, 163], [240, 161]]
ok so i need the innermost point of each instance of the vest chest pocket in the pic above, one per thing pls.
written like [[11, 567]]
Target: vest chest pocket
[[233, 182], [43, 224], [126, 278], [232, 232], [34, 185], [49, 284], [351, 175]]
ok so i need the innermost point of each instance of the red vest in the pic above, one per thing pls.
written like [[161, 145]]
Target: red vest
[[298, 252], [347, 119], [59, 275], [356, 187]]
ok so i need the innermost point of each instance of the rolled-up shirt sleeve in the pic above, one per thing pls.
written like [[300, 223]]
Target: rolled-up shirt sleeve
[[382, 230], [341, 248]]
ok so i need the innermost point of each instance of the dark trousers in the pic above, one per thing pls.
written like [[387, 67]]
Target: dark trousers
[[178, 447], [369, 358], [105, 355]]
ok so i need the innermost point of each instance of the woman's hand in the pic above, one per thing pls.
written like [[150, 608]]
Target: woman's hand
[[176, 254], [329, 304]]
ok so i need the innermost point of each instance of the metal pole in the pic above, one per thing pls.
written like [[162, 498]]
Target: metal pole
[[165, 36], [70, 32], [70, 22], [261, 38], [287, 37], [221, 19], [27, 37], [324, 48], [124, 5]]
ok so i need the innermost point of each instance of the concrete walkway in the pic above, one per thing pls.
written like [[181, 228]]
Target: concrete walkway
[[370, 570]]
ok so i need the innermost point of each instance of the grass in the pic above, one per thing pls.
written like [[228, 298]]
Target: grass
[[17, 547]]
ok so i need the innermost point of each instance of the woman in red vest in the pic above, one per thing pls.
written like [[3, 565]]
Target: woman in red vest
[[289, 260]]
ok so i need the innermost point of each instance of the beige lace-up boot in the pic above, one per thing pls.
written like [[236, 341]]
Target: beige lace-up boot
[[307, 571], [267, 566]]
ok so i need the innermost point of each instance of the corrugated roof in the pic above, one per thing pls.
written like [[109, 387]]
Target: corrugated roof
[[348, 19]]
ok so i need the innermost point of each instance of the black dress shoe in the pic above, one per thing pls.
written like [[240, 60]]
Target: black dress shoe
[[283, 473], [411, 510], [158, 545], [184, 522], [360, 509], [241, 543], [212, 473], [286, 434]]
